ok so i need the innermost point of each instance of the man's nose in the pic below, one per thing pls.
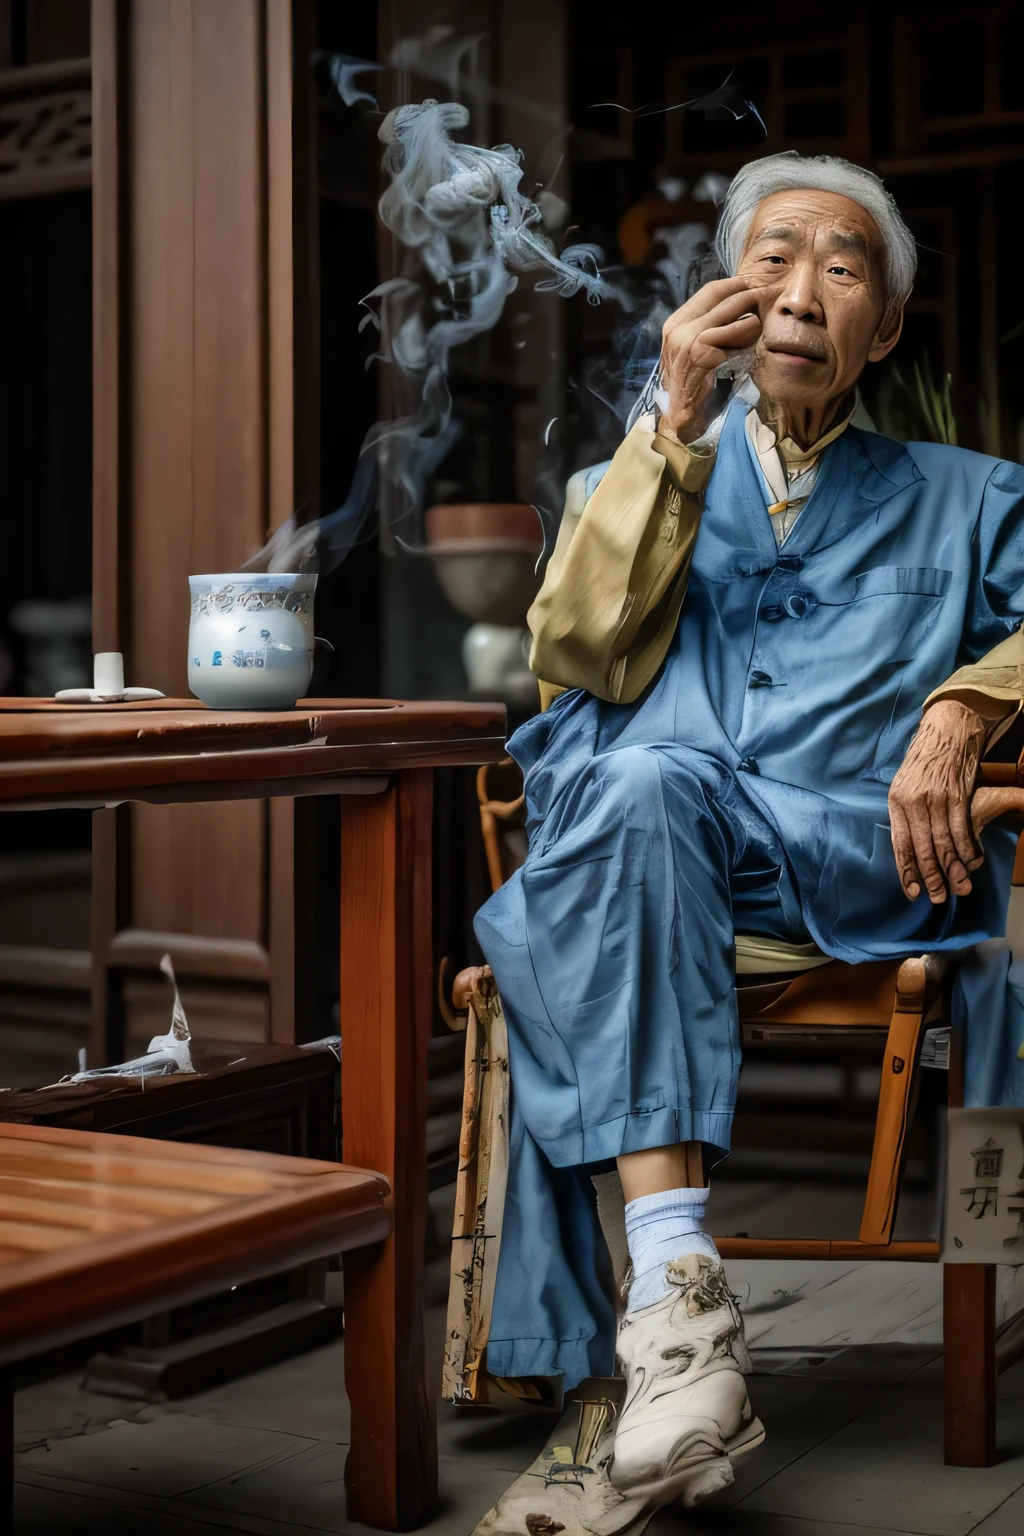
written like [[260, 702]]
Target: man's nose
[[798, 298]]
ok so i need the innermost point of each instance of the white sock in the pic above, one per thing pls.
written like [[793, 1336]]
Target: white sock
[[660, 1228]]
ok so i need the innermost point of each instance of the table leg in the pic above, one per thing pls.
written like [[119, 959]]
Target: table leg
[[969, 1335], [386, 1009], [6, 1452]]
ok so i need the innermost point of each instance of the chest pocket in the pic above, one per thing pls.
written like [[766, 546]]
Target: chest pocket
[[890, 610], [905, 619], [902, 581]]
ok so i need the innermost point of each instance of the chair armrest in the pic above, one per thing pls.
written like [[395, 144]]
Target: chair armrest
[[997, 801]]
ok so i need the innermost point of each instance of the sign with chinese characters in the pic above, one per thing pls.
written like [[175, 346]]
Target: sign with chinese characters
[[985, 1187]]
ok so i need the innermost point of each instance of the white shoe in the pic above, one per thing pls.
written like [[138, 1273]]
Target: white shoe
[[566, 1490], [686, 1410]]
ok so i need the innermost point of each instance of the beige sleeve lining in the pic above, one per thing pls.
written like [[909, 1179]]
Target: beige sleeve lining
[[604, 616]]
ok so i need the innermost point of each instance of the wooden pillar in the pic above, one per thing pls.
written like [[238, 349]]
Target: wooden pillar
[[386, 1006], [194, 462], [969, 1341]]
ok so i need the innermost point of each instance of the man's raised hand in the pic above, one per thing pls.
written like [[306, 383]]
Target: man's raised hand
[[929, 803], [720, 320]]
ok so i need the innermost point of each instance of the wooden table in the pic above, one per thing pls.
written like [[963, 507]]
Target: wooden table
[[381, 753], [98, 1230]]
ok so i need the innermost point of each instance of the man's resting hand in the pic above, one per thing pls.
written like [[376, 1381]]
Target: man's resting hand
[[929, 803]]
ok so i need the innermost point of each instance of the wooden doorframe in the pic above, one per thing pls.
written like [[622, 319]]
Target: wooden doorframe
[[205, 431]]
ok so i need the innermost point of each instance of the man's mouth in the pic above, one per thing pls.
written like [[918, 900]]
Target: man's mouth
[[794, 349]]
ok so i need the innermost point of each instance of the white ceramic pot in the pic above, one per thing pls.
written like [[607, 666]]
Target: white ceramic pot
[[250, 639], [485, 555], [496, 659]]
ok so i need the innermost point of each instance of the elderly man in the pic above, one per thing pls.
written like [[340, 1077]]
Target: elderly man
[[744, 617]]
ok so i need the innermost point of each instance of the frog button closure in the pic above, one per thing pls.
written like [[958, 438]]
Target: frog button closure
[[798, 604]]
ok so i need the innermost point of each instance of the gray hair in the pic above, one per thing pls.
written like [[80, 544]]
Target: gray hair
[[826, 173]]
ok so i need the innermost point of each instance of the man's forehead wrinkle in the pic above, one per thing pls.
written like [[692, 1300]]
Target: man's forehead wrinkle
[[778, 232], [844, 240]]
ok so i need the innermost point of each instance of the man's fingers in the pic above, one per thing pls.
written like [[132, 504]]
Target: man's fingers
[[967, 848], [707, 297], [925, 854], [948, 854], [712, 348], [681, 330], [725, 338], [903, 849], [730, 309]]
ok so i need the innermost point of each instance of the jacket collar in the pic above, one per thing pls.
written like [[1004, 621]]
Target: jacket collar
[[859, 474], [860, 471]]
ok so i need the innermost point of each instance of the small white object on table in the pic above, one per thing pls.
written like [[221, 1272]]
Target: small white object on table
[[107, 684]]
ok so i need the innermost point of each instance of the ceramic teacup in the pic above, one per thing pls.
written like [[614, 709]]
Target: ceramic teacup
[[250, 639]]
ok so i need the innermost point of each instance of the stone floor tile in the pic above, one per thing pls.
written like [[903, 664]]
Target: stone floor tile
[[47, 1512], [881, 1364], [174, 1455], [49, 1410], [1007, 1520], [302, 1396], [708, 1521], [306, 1492], [797, 1416], [467, 1492], [508, 1440], [1010, 1384], [884, 1471]]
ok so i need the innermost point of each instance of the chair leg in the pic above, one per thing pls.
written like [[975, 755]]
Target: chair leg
[[894, 1104], [969, 1338]]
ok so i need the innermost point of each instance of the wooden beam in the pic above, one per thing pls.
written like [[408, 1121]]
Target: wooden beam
[[107, 326], [193, 954], [824, 1248], [37, 79], [949, 160], [280, 263], [30, 965]]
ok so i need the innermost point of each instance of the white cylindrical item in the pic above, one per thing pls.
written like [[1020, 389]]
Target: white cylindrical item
[[108, 672]]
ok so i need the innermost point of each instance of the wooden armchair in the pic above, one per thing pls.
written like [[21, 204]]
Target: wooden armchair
[[789, 997]]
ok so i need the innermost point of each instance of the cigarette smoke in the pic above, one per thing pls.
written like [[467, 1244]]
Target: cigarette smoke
[[461, 209]]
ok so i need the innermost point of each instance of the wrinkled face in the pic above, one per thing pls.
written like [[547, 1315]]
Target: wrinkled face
[[818, 260]]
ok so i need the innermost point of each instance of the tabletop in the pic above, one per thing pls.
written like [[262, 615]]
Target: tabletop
[[177, 749], [99, 1229]]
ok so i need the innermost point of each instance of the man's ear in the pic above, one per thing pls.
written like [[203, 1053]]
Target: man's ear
[[887, 335]]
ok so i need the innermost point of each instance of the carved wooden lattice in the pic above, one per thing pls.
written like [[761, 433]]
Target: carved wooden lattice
[[45, 142]]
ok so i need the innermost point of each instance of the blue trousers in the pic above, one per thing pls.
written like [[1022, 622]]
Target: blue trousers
[[614, 955]]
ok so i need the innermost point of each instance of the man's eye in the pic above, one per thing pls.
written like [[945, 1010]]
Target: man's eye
[[842, 271], [779, 259]]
